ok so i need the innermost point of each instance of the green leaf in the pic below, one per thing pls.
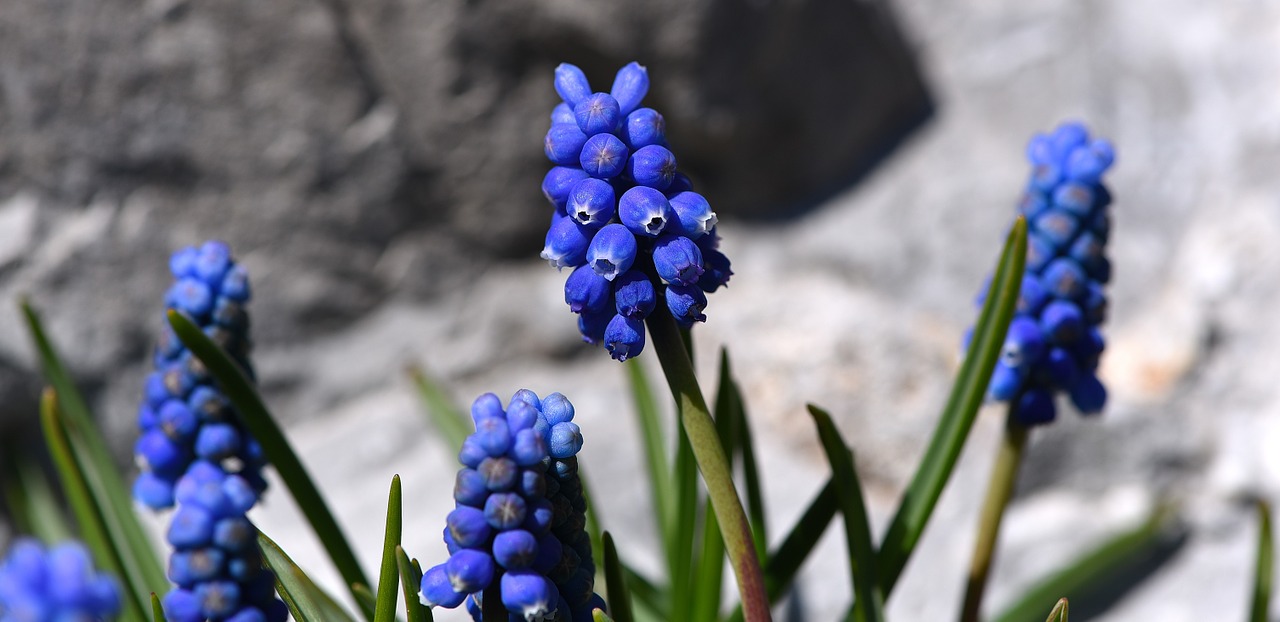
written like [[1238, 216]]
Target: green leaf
[[1059, 613], [750, 472], [253, 412], [385, 605], [411, 580], [101, 474], [453, 424], [869, 602], [30, 499], [616, 583], [661, 483], [600, 616], [306, 601], [1091, 570], [649, 602], [90, 517], [1265, 567], [962, 408], [713, 463], [687, 508], [364, 597], [157, 612]]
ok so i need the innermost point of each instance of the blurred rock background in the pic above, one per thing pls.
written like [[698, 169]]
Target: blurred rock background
[[376, 166]]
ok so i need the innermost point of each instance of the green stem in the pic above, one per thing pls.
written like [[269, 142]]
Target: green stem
[[999, 491], [712, 462]]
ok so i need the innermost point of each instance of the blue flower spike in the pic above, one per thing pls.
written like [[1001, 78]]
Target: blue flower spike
[[622, 207], [196, 454], [1054, 342], [527, 539], [55, 584], [184, 417]]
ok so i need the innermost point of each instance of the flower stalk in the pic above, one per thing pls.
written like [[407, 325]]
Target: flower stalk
[[999, 490], [713, 463]]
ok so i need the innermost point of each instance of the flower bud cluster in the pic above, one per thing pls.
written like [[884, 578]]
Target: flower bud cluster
[[216, 564], [183, 416], [519, 522], [55, 585], [626, 220], [1054, 341]]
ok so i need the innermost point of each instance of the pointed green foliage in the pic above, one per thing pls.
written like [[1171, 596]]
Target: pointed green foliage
[[730, 405], [616, 583], [1059, 613], [101, 476], [157, 612], [411, 580], [1264, 568], [365, 598], [1092, 570], [388, 578], [962, 408], [111, 554], [30, 499], [600, 616], [451, 421], [306, 601], [253, 412], [661, 483], [869, 601], [785, 562], [688, 506]]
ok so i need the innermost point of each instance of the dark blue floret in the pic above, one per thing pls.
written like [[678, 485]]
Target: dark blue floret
[[527, 537], [1054, 343], [635, 212]]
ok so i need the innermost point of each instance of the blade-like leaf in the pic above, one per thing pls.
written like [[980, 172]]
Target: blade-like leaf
[[411, 580], [454, 424], [1264, 569], [600, 616], [962, 408], [108, 552], [157, 612], [745, 447], [661, 483], [1090, 570], [616, 583], [30, 499], [713, 463], [687, 507], [101, 474], [869, 602], [649, 602], [364, 597], [306, 601], [388, 579], [1059, 612], [253, 412]]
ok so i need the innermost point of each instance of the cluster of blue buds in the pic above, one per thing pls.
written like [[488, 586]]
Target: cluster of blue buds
[[216, 563], [626, 220], [53, 586], [183, 416], [1054, 342], [520, 518]]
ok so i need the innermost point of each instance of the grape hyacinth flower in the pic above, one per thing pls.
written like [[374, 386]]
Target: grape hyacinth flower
[[183, 416], [623, 213], [519, 523], [59, 584], [1054, 341], [216, 563]]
